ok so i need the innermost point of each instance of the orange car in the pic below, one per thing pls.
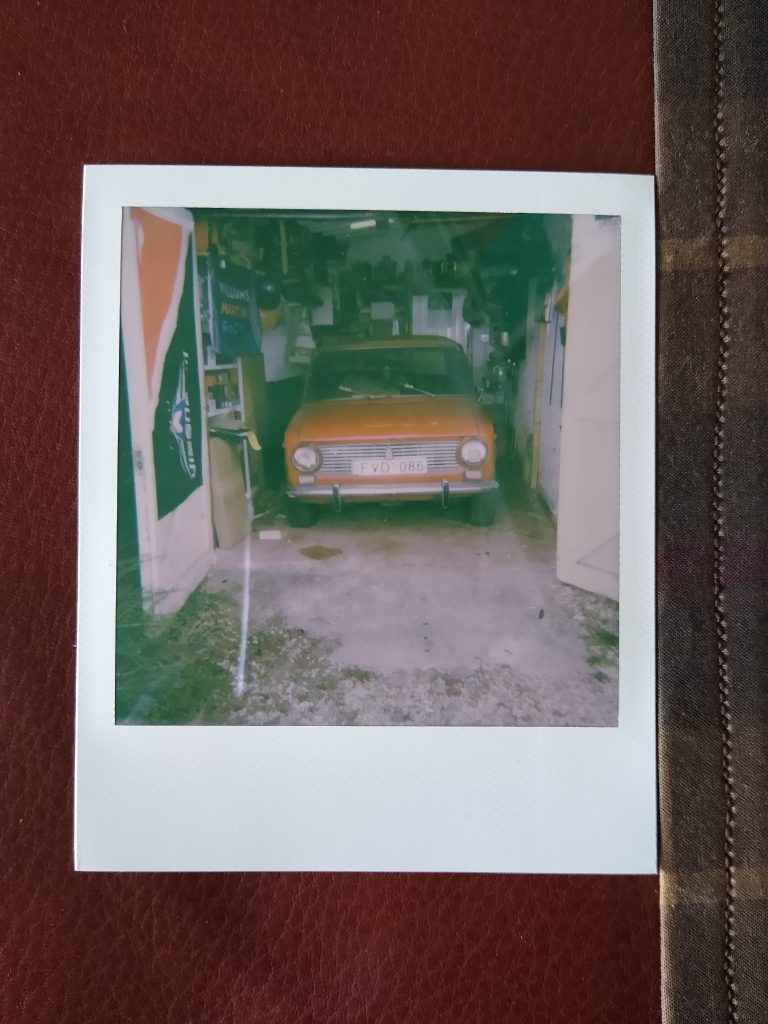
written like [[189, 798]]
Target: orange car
[[390, 420]]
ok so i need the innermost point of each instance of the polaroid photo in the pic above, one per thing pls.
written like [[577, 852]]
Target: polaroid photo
[[366, 575]]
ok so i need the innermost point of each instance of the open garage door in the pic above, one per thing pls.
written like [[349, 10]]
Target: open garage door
[[588, 508], [163, 355]]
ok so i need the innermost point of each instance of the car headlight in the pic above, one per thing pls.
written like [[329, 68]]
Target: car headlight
[[306, 458], [473, 452]]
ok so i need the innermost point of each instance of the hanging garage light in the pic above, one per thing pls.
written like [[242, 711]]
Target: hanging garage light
[[358, 225]]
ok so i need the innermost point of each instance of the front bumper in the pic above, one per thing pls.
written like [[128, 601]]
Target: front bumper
[[337, 494]]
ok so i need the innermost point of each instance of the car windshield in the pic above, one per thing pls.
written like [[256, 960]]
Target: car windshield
[[388, 372]]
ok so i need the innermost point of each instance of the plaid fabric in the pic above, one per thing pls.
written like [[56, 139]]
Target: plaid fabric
[[712, 163]]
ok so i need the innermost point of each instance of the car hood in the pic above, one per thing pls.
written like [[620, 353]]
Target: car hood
[[352, 419]]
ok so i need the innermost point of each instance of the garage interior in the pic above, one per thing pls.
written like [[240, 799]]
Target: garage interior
[[380, 614]]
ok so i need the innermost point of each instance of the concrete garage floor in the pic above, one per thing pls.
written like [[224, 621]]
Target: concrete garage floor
[[408, 615]]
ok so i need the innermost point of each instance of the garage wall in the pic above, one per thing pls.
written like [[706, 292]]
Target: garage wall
[[552, 407], [543, 365], [523, 410], [526, 386]]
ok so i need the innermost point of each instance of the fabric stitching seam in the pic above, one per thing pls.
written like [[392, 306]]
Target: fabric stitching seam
[[721, 623]]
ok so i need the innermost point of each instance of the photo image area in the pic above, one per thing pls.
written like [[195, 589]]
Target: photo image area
[[368, 469]]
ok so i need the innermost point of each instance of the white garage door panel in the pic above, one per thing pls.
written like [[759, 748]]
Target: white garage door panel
[[591, 517], [176, 548], [588, 513], [597, 398], [603, 559]]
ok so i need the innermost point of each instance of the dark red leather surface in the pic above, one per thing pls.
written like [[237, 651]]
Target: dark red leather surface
[[541, 84]]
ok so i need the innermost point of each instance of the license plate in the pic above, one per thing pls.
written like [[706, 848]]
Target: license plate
[[389, 467]]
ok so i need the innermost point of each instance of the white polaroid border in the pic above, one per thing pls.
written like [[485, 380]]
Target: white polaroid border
[[491, 799]]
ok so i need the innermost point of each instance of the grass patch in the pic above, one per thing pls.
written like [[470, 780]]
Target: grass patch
[[174, 669], [605, 638], [602, 650], [359, 675]]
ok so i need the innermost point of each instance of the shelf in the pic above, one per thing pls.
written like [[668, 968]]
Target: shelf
[[220, 366], [225, 424], [227, 410]]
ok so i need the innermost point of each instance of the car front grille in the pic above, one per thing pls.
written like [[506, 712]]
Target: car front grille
[[337, 458]]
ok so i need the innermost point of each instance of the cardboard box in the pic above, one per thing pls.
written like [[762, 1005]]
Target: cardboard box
[[228, 502]]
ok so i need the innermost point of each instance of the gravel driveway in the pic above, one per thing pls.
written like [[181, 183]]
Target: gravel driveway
[[407, 615]]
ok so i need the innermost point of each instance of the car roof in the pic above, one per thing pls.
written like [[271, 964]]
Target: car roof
[[415, 341]]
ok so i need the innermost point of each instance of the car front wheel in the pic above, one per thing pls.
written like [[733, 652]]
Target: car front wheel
[[300, 514], [482, 509]]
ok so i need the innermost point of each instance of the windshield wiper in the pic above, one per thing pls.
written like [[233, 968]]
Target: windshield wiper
[[351, 391], [412, 387]]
